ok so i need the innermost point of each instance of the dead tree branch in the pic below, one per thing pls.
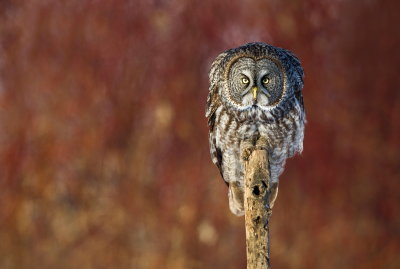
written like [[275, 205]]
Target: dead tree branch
[[257, 209]]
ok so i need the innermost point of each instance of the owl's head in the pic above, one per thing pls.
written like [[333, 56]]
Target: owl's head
[[256, 75]]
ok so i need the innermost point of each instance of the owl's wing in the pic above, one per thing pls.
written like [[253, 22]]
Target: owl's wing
[[216, 153], [213, 102], [299, 97], [299, 77], [299, 82], [298, 93]]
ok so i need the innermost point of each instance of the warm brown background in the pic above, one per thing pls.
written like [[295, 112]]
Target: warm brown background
[[104, 158]]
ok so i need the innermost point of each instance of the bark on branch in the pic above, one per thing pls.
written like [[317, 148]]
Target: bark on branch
[[257, 209]]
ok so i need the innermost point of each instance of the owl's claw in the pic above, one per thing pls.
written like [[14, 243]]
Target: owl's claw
[[246, 153], [262, 144], [246, 148], [260, 148]]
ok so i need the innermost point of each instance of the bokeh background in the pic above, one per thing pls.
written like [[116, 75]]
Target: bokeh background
[[104, 159]]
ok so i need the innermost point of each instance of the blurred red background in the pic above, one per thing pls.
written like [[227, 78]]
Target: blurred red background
[[104, 159]]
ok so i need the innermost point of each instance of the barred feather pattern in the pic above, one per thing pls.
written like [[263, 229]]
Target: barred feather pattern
[[281, 126]]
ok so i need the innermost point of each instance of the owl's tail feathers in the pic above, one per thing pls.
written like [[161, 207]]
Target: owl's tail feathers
[[236, 197]]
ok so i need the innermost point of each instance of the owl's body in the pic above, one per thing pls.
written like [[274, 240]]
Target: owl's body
[[254, 100]]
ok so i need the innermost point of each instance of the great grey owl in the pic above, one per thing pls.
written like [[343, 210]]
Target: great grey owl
[[255, 100]]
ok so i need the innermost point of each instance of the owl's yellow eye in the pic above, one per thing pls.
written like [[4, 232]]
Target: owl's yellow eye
[[245, 80], [265, 80]]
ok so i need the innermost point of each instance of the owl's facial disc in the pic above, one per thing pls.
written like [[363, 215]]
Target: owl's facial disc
[[255, 83]]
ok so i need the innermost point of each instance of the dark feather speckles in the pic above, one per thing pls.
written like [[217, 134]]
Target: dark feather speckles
[[211, 121]]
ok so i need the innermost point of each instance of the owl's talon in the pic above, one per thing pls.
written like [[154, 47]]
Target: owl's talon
[[246, 153], [262, 143], [260, 148], [246, 148]]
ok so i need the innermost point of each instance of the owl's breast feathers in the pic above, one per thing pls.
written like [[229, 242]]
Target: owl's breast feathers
[[282, 127]]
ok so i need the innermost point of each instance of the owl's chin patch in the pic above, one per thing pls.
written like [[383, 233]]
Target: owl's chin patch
[[254, 105], [261, 101]]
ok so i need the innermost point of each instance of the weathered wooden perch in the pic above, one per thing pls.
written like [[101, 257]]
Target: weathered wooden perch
[[257, 209]]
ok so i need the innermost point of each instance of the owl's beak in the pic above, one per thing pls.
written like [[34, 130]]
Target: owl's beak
[[254, 91]]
